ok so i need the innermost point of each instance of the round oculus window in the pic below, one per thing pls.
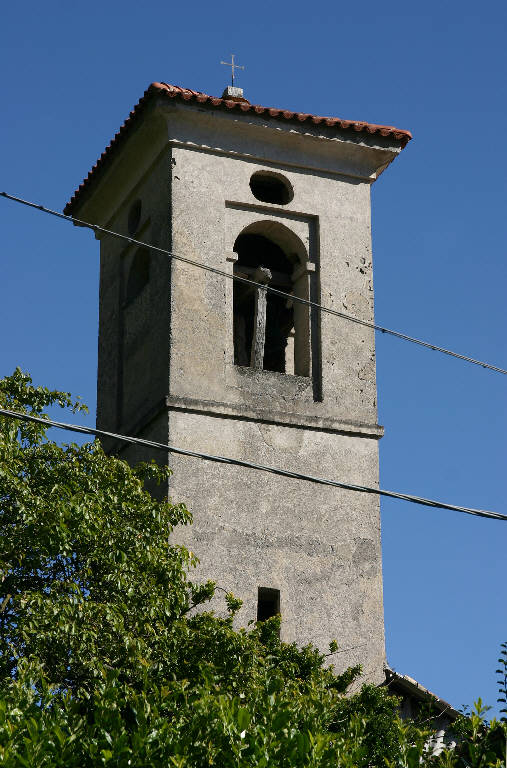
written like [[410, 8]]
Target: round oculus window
[[271, 188]]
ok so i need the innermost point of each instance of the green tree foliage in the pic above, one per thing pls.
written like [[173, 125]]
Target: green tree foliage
[[108, 655]]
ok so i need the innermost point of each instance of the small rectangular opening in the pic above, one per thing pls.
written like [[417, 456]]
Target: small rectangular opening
[[268, 603]]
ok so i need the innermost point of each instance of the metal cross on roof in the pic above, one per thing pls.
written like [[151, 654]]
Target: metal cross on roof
[[233, 67]]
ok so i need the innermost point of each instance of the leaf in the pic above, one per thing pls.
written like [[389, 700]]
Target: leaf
[[243, 718]]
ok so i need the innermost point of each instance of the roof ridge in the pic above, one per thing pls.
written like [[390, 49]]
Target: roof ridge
[[276, 111]]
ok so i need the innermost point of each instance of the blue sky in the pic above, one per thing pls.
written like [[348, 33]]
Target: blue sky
[[71, 73]]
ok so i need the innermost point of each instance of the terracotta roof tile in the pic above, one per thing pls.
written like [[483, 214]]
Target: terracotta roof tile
[[175, 92]]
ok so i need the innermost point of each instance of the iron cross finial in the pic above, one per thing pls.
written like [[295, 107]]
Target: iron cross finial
[[233, 67]]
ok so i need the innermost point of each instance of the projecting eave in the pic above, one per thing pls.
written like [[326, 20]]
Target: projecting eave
[[319, 149], [242, 129]]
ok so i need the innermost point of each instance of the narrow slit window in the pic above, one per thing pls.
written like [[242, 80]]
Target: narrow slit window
[[268, 603]]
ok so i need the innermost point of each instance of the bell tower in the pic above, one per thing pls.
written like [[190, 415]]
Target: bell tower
[[210, 364]]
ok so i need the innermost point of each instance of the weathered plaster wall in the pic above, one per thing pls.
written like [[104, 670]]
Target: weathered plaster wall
[[133, 357], [319, 546]]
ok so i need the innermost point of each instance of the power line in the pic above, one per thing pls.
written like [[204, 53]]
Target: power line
[[251, 465], [247, 281]]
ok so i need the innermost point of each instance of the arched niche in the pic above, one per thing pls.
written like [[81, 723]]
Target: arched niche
[[271, 332], [138, 275]]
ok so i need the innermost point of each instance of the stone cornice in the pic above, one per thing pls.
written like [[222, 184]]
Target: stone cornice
[[244, 412]]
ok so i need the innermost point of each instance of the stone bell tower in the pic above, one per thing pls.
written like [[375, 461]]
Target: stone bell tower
[[194, 359]]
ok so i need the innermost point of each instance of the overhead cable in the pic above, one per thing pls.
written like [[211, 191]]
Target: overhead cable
[[239, 279], [251, 465]]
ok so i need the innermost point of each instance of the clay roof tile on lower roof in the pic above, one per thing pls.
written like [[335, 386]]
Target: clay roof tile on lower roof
[[166, 90]]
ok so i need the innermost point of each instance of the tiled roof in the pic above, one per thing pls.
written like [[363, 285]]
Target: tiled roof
[[409, 685], [186, 95]]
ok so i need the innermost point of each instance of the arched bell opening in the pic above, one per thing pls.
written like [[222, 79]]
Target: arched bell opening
[[271, 332]]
